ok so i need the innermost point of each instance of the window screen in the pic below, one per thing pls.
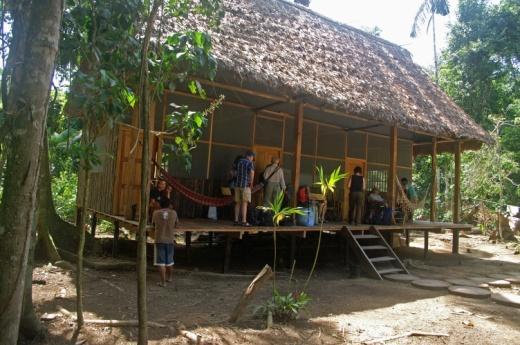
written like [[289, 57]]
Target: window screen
[[331, 142], [309, 138], [378, 149], [306, 171], [176, 166], [288, 166], [356, 145], [289, 135], [377, 177], [404, 153], [222, 158], [233, 125], [268, 132]]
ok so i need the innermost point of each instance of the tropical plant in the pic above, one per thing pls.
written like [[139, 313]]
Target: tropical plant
[[279, 213], [284, 308], [327, 185], [426, 12]]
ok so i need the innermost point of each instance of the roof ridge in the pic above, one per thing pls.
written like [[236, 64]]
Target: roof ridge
[[344, 25]]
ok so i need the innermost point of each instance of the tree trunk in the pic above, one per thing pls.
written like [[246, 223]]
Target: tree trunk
[[47, 217], [435, 60], [30, 325], [30, 80], [85, 174], [145, 175]]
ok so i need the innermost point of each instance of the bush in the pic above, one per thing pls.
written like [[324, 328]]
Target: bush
[[284, 307], [64, 188]]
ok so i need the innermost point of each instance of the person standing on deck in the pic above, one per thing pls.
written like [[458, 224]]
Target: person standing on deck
[[274, 181], [244, 182], [356, 185], [411, 195], [165, 220]]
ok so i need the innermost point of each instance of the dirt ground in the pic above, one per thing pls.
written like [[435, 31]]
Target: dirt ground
[[342, 311]]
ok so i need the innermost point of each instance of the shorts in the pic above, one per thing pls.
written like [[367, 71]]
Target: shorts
[[242, 194], [163, 254]]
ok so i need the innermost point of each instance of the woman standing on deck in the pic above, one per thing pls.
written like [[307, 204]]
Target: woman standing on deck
[[356, 185]]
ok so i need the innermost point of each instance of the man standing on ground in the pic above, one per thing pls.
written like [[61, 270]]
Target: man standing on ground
[[244, 181], [274, 181], [165, 220]]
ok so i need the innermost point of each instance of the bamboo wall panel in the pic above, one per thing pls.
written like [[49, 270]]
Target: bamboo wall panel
[[102, 179]]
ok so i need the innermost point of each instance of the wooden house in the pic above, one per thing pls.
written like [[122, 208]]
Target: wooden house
[[307, 89]]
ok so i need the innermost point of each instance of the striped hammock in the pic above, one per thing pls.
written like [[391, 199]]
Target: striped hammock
[[198, 198]]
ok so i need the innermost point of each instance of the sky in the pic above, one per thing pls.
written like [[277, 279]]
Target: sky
[[394, 18]]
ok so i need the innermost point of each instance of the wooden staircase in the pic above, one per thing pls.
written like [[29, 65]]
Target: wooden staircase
[[377, 257]]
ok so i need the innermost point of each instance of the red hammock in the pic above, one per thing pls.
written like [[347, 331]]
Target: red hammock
[[197, 197]]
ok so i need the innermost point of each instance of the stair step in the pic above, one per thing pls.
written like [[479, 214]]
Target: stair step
[[365, 237], [376, 247], [390, 270], [382, 259]]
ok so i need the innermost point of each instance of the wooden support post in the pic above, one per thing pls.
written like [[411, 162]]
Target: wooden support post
[[93, 224], [456, 189], [116, 239], [426, 240], [263, 276], [455, 241], [407, 235], [187, 241], [297, 150], [433, 205], [392, 174], [78, 215], [227, 253]]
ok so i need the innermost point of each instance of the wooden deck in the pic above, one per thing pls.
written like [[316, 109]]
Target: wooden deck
[[188, 226]]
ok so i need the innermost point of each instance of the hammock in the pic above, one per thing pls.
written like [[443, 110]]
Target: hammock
[[406, 204], [198, 198]]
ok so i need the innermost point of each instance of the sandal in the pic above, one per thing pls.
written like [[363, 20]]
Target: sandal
[[246, 224], [236, 223]]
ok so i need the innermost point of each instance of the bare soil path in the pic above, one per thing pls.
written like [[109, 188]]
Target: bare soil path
[[342, 311]]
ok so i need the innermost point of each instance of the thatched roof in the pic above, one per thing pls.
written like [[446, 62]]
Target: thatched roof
[[292, 51]]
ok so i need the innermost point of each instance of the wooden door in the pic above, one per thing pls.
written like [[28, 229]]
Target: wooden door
[[263, 156], [127, 187], [350, 165]]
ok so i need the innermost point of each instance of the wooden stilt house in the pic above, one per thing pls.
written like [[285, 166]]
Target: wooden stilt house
[[306, 89]]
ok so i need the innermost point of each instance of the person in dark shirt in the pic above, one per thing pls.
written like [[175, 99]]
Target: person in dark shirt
[[243, 183], [356, 185], [157, 194]]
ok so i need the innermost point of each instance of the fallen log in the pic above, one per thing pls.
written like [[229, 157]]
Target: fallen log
[[249, 292], [404, 335]]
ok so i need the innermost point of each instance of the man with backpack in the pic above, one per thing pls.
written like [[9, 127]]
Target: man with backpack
[[273, 181], [243, 184]]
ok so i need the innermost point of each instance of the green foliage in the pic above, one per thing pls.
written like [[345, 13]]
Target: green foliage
[[426, 11], [480, 72], [64, 188], [186, 127], [487, 174], [280, 212], [328, 183], [284, 307], [97, 39]]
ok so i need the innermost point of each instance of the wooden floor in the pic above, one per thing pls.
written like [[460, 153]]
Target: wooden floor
[[206, 225], [188, 226]]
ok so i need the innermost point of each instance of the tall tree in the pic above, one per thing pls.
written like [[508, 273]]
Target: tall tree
[[426, 12], [30, 67], [480, 72]]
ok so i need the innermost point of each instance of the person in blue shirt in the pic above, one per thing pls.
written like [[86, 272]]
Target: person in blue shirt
[[245, 173]]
